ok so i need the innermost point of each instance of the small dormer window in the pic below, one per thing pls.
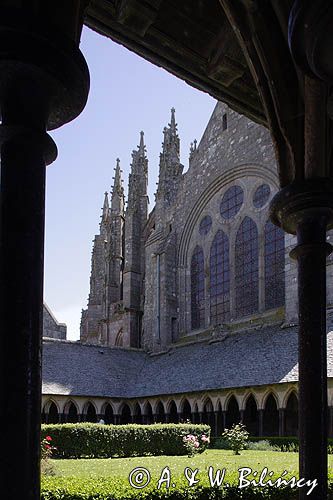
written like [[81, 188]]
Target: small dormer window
[[224, 121]]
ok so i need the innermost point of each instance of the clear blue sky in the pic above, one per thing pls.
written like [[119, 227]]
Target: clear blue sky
[[127, 94]]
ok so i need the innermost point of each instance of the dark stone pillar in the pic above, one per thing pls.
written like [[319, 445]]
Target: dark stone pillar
[[167, 418], [44, 83], [261, 422], [200, 415], [241, 415], [282, 420], [311, 256], [306, 208], [117, 419]]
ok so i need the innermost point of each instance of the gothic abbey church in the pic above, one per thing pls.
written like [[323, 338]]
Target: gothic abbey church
[[192, 308]]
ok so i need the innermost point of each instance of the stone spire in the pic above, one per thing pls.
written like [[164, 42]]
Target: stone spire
[[117, 194], [170, 167], [173, 124], [138, 178], [105, 209], [142, 147]]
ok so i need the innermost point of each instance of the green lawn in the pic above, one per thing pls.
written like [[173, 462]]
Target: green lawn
[[120, 468]]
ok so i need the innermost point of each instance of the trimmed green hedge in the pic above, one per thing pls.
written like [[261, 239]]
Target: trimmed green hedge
[[86, 440], [286, 443], [106, 489]]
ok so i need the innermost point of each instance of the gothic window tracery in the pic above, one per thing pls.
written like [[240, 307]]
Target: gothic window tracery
[[205, 225], [261, 195], [219, 279], [232, 202], [247, 268], [197, 289], [274, 266]]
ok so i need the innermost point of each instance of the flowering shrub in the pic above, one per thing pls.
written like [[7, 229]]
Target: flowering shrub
[[237, 437], [46, 454], [46, 448], [195, 444]]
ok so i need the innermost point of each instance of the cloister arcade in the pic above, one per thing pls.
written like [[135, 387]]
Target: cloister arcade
[[266, 411]]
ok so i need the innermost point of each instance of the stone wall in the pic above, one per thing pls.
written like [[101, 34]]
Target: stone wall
[[51, 327]]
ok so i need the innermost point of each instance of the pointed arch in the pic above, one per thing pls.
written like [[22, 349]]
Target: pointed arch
[[119, 338], [251, 416], [197, 289], [219, 289], [233, 413], [125, 414], [291, 415], [159, 412], [148, 413], [137, 414], [247, 268], [208, 416], [108, 414], [274, 266], [90, 413], [52, 412], [71, 412], [173, 413], [185, 409], [271, 416]]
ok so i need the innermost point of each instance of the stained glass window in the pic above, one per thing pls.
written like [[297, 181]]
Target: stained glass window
[[219, 279], [205, 225], [231, 202], [274, 266], [197, 289], [246, 272], [261, 195]]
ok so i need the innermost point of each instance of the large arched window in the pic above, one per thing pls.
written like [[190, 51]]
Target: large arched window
[[219, 279], [246, 272], [274, 266], [197, 289]]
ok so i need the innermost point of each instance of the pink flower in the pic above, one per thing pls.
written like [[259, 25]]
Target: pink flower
[[48, 438]]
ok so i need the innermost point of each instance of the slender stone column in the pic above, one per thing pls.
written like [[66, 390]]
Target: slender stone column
[[217, 423], [261, 422], [282, 420], [224, 413]]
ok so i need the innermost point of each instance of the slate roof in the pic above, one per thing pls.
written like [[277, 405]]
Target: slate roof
[[252, 358]]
